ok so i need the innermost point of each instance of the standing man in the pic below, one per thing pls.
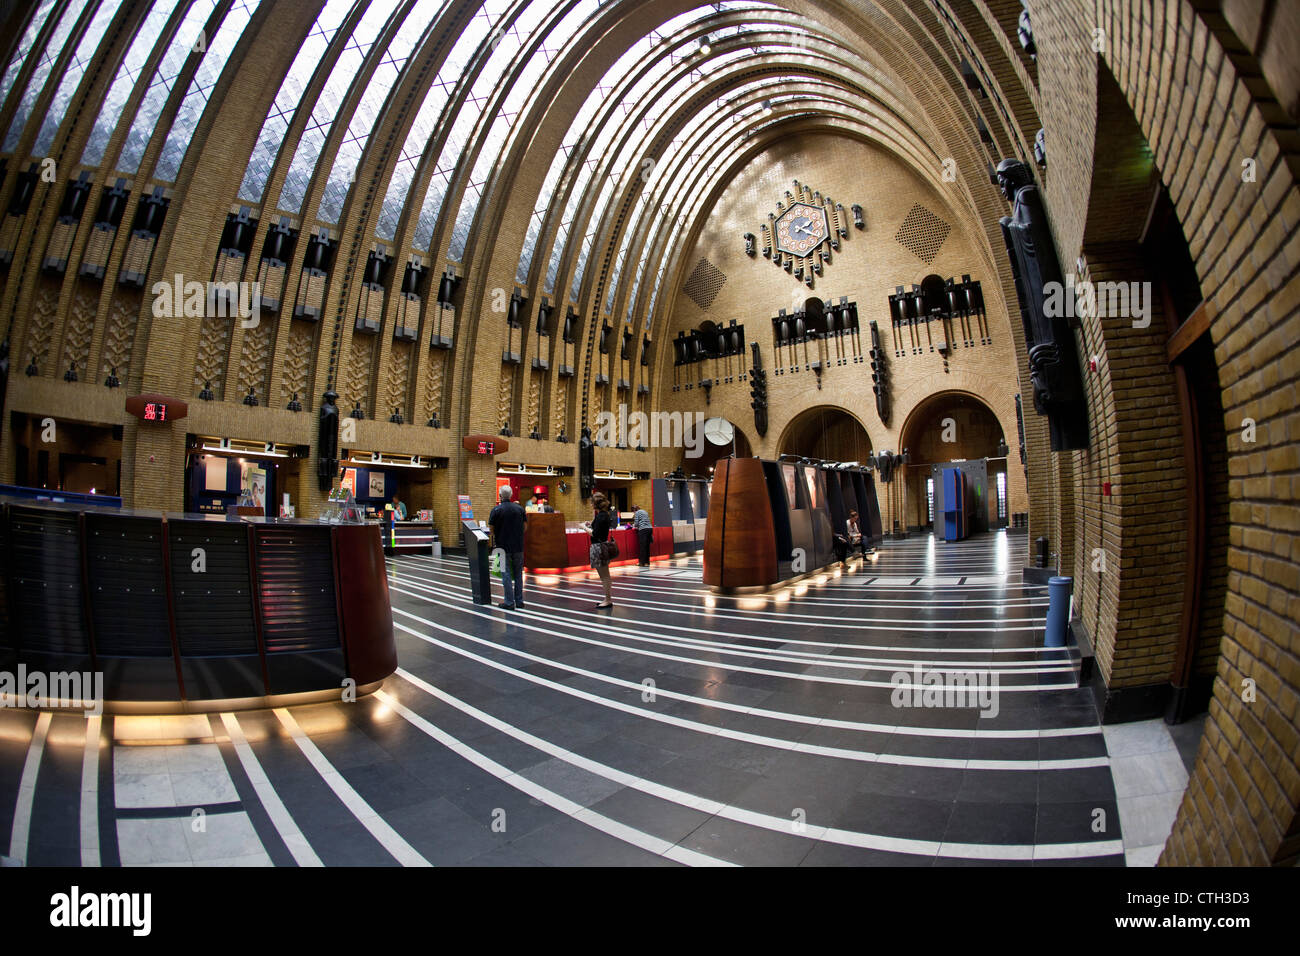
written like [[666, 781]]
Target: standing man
[[644, 535], [399, 509], [507, 522]]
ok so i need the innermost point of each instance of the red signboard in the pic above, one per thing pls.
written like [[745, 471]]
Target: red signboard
[[485, 444], [156, 408]]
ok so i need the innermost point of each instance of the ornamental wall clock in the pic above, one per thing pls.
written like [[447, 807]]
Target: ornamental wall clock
[[804, 233]]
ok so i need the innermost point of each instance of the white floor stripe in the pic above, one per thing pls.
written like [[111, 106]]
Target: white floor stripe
[[742, 668], [585, 585], [302, 852], [22, 825], [807, 658], [451, 590], [977, 851], [740, 708], [388, 838], [577, 811], [90, 794], [776, 743]]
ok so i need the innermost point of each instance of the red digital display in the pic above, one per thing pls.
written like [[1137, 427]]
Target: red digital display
[[155, 412], [486, 448]]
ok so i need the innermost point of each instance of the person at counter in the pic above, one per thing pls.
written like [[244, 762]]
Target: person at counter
[[644, 535], [599, 554], [507, 521], [399, 508]]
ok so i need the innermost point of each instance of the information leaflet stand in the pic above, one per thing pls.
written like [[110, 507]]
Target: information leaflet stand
[[476, 548]]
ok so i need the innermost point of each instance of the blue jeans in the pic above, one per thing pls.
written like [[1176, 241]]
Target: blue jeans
[[512, 569]]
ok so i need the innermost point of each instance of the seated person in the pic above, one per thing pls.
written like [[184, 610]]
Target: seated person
[[855, 538]]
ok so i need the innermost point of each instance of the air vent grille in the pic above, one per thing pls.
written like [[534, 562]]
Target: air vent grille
[[923, 233], [704, 284]]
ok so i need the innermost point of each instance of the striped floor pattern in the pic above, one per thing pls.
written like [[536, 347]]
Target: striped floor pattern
[[681, 727]]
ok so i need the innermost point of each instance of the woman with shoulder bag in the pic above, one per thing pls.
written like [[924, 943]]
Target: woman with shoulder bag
[[602, 545]]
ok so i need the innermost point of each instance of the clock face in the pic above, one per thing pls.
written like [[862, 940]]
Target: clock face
[[719, 431], [801, 228]]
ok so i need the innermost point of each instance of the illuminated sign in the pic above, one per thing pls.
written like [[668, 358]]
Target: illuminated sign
[[486, 448], [156, 408]]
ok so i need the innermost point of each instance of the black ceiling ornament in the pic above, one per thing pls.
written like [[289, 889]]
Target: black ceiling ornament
[[357, 413], [71, 374], [586, 464], [205, 393], [758, 391], [396, 417], [327, 441], [294, 405], [251, 398], [112, 381]]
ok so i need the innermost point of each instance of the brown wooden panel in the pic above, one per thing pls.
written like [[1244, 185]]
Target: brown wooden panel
[[363, 601], [545, 545], [740, 537]]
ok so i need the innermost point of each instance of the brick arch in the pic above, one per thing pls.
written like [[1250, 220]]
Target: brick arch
[[804, 415]]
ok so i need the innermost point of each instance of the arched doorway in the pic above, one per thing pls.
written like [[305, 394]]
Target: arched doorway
[[952, 426], [827, 433]]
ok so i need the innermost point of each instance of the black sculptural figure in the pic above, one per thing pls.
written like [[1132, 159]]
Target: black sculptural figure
[[586, 464], [327, 441], [1053, 356], [758, 392]]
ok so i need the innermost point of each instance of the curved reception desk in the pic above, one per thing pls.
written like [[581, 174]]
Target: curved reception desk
[[190, 612], [551, 547], [771, 521]]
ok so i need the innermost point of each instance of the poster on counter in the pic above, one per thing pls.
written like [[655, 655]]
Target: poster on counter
[[349, 482], [466, 508], [253, 481], [377, 484]]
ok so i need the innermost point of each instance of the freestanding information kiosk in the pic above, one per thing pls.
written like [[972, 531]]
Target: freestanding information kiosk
[[476, 547]]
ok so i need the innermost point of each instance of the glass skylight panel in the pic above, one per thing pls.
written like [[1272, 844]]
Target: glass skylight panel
[[24, 48], [41, 74], [613, 78], [404, 42], [669, 98], [521, 88], [182, 44], [431, 111], [296, 81], [205, 78], [73, 74], [505, 44], [137, 55], [317, 131]]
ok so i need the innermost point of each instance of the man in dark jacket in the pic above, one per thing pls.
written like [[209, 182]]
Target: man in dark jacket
[[507, 522]]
